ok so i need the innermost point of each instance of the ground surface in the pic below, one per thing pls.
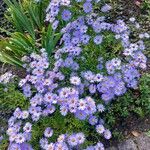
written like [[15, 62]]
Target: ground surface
[[142, 142]]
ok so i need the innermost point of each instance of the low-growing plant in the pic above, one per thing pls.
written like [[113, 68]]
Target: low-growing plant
[[11, 97], [133, 102]]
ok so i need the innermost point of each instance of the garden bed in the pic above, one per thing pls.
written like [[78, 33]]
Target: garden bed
[[126, 116]]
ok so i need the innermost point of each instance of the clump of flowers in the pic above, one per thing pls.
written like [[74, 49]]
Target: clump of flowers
[[6, 78], [68, 86]]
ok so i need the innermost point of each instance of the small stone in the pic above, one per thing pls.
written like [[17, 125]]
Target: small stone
[[127, 145], [143, 142], [135, 133]]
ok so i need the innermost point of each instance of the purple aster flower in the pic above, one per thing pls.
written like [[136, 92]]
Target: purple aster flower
[[68, 62], [27, 136], [100, 107], [18, 113], [66, 15], [20, 138], [107, 134], [51, 109], [99, 146], [133, 84], [98, 39], [25, 114], [72, 140], [100, 66], [92, 88], [45, 112], [101, 121], [110, 82], [75, 66], [27, 93], [61, 146], [63, 110], [48, 132], [27, 128], [75, 40], [55, 24], [43, 143], [120, 88], [80, 115], [82, 104], [85, 39], [93, 120], [11, 121], [66, 37], [75, 80], [50, 146], [106, 8], [77, 33], [48, 97], [87, 7], [61, 138], [83, 29], [80, 138], [14, 146], [35, 117], [100, 129], [98, 77], [110, 68], [108, 96]]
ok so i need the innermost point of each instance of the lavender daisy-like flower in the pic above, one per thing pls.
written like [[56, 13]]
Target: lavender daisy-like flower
[[14, 146], [50, 146], [63, 110], [98, 39], [107, 134], [92, 88], [87, 7], [99, 146], [100, 129], [25, 114], [18, 113], [27, 128], [85, 39], [20, 138], [61, 146], [81, 115], [80, 138], [75, 80], [82, 104], [93, 120], [100, 107], [43, 143], [72, 140], [66, 15], [106, 8], [61, 138], [48, 132]]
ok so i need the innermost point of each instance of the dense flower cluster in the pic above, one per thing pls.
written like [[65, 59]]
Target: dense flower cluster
[[6, 78], [48, 88], [48, 95]]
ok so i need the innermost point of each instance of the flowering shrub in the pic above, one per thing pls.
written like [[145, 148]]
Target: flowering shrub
[[96, 61]]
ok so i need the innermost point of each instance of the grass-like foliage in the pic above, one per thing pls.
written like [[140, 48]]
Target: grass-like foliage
[[30, 31]]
